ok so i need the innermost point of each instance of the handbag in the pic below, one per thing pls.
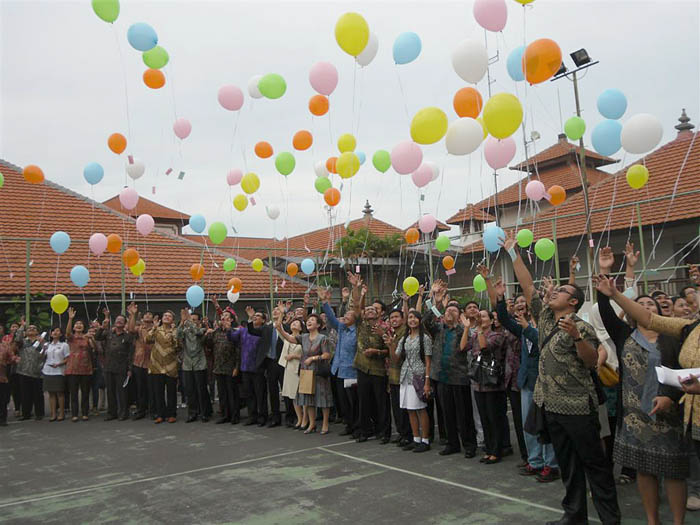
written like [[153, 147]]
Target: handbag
[[322, 366], [307, 384], [418, 382], [608, 375]]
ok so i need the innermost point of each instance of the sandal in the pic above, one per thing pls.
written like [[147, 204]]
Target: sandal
[[311, 430], [52, 420], [74, 419], [85, 418], [324, 432]]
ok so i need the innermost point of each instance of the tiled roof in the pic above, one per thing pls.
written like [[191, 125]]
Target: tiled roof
[[562, 151], [441, 226], [155, 210], [469, 213], [246, 247]]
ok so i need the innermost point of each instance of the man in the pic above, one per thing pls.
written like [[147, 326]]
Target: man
[[566, 394], [274, 373], [118, 347], [227, 362], [190, 333], [141, 361], [7, 359], [689, 293], [12, 377], [471, 311], [664, 302], [397, 329]]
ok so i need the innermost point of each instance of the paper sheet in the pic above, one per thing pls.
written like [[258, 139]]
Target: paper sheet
[[669, 376]]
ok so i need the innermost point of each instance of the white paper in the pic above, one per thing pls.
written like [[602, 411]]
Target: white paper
[[669, 376]]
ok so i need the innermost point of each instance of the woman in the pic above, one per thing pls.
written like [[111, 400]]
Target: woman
[[163, 367], [289, 360], [79, 366], [57, 353], [488, 355], [680, 308], [31, 360]]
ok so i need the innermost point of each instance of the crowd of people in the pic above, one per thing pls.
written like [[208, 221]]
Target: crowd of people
[[583, 393]]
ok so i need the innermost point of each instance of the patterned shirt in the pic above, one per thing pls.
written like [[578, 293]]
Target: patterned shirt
[[142, 350], [191, 338], [494, 350], [163, 351], [7, 358], [394, 368], [249, 347], [412, 363], [117, 349], [512, 347], [372, 365], [30, 358], [80, 359], [227, 355], [449, 363]]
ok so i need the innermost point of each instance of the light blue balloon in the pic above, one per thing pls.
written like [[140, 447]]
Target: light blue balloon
[[407, 47], [361, 155], [612, 103], [60, 241], [606, 137], [80, 276], [514, 64], [198, 223], [194, 295], [93, 173], [493, 236], [141, 36], [308, 266]]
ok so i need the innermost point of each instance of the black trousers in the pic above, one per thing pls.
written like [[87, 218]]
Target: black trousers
[[337, 403], [229, 397], [4, 400], [274, 374], [576, 441], [517, 411], [197, 393], [456, 401], [84, 384], [492, 408], [349, 406], [143, 392], [15, 390], [116, 394], [435, 406], [32, 396], [372, 395], [254, 385], [166, 404], [401, 421]]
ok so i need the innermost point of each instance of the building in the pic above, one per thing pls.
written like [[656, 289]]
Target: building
[[165, 218]]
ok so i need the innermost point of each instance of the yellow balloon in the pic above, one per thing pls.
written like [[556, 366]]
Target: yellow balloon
[[138, 268], [347, 165], [59, 303], [428, 125], [346, 142], [257, 265], [352, 33], [524, 2], [503, 114], [410, 285], [240, 202], [637, 176], [250, 183], [480, 120]]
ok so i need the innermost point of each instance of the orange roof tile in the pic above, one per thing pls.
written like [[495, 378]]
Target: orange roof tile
[[561, 151], [469, 213], [155, 210]]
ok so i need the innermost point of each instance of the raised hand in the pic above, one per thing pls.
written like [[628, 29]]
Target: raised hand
[[214, 301], [606, 259], [630, 255], [463, 320], [379, 330], [132, 309], [483, 270], [421, 290], [605, 285], [71, 313], [250, 311], [573, 264], [105, 311], [353, 279], [568, 325], [345, 293], [520, 318], [695, 274], [509, 241], [307, 299], [500, 288], [156, 322]]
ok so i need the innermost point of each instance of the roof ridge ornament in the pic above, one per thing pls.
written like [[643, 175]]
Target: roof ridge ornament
[[685, 124]]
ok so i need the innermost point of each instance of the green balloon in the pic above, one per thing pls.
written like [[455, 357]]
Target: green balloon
[[524, 238], [2, 180], [107, 10], [156, 57], [322, 184], [442, 243], [229, 265], [381, 160], [544, 249], [272, 85], [217, 232], [285, 163], [479, 284], [574, 128]]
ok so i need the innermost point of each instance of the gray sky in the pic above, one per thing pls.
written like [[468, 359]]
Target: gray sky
[[63, 93]]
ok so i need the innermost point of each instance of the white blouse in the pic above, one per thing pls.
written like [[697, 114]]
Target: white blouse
[[55, 353]]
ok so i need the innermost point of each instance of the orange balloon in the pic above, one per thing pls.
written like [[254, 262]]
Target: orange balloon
[[302, 140], [468, 102], [292, 269], [448, 262], [130, 256], [154, 78], [412, 235], [541, 60], [332, 196], [235, 284], [318, 105], [117, 143], [196, 271], [330, 164], [114, 244], [263, 150], [557, 195], [33, 174]]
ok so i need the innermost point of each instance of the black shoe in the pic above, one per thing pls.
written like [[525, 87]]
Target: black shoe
[[384, 441], [250, 422], [469, 454], [205, 420], [443, 441], [123, 418], [346, 432], [491, 461], [361, 439], [273, 424], [397, 440], [222, 421], [404, 442], [448, 450], [24, 418], [261, 424], [507, 451], [235, 421], [138, 416], [110, 418], [421, 447], [409, 446], [566, 521], [191, 419], [3, 423]]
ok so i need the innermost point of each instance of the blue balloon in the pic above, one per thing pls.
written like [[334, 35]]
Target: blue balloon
[[308, 266], [142, 36], [407, 47], [93, 173], [361, 155], [60, 241], [194, 295], [514, 64], [606, 137], [198, 223], [80, 276], [493, 236], [612, 103]]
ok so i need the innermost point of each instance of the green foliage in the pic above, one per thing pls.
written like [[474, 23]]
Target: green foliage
[[362, 242], [40, 313]]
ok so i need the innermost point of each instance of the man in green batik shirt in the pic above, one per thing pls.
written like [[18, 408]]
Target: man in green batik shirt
[[191, 334]]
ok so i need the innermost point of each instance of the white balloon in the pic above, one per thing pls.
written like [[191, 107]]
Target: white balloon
[[135, 170], [463, 136], [641, 133], [232, 297], [369, 52], [253, 90], [470, 60], [320, 169], [272, 211], [434, 167]]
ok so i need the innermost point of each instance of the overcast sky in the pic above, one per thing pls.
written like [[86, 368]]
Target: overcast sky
[[63, 93]]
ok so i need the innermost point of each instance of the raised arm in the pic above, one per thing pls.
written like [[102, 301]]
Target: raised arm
[[69, 326], [631, 258], [521, 271], [356, 282], [617, 329], [277, 319], [506, 320], [465, 342], [419, 301], [332, 319], [573, 266], [132, 310]]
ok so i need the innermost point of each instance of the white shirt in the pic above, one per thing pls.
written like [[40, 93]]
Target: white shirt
[[55, 353]]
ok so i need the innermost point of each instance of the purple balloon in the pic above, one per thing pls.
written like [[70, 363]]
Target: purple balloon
[[323, 77], [499, 153], [406, 157], [230, 97]]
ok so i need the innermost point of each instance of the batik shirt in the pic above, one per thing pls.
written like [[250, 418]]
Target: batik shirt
[[191, 338], [227, 355], [30, 358], [372, 365]]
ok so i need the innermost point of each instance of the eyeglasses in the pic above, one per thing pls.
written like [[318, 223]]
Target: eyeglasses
[[563, 290]]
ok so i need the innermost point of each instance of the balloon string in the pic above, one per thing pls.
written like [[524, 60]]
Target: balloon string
[[403, 95], [55, 282], [354, 91], [235, 129], [126, 89]]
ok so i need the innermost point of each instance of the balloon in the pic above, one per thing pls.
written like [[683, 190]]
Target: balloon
[[332, 196], [230, 265], [428, 125], [154, 78], [427, 223], [541, 60], [479, 284], [97, 243], [514, 64], [145, 224], [606, 137], [524, 2], [2, 180], [142, 37], [302, 140], [33, 174], [637, 176], [93, 173], [410, 286], [323, 77], [470, 60], [272, 86], [381, 160], [641, 133], [352, 33], [480, 120], [273, 212], [448, 262], [114, 243], [524, 238], [217, 232], [250, 183], [138, 268], [406, 157], [493, 236], [235, 284], [331, 163], [230, 97], [308, 266], [491, 14], [253, 90], [535, 190], [347, 165], [198, 223], [434, 167], [240, 202], [135, 169], [257, 265], [285, 163], [194, 295], [612, 103], [320, 169], [361, 156], [498, 153], [196, 272], [155, 58], [60, 242], [422, 176], [544, 249], [130, 257], [318, 105], [107, 10], [407, 47], [557, 195], [468, 102], [232, 296], [59, 303], [369, 52], [442, 243], [346, 142], [263, 150], [464, 136], [234, 176], [117, 143], [503, 115], [292, 269], [128, 198], [322, 184], [412, 236], [182, 128], [575, 127]]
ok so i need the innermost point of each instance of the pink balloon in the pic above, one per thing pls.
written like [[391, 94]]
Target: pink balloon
[[535, 190], [145, 224], [491, 14], [231, 97], [234, 176], [423, 175], [323, 77], [427, 223], [97, 243], [182, 128], [499, 153], [406, 157], [129, 198]]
